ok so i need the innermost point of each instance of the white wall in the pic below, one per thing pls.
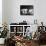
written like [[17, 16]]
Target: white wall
[[0, 13], [12, 11], [40, 11]]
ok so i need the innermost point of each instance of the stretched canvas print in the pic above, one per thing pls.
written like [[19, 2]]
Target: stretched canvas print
[[26, 9]]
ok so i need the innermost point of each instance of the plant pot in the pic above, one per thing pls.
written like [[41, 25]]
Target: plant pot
[[2, 40]]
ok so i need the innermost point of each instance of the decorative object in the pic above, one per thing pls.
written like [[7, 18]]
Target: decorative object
[[26, 9], [4, 32], [28, 33], [35, 21], [2, 40]]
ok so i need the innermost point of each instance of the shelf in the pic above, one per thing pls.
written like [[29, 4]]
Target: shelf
[[19, 32], [23, 25], [12, 32], [17, 28], [16, 32]]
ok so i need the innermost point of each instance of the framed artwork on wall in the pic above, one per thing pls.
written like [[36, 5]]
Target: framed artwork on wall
[[26, 10]]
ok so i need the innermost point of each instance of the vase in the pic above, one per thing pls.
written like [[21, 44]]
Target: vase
[[2, 40]]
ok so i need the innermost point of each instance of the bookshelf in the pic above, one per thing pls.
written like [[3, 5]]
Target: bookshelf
[[18, 29]]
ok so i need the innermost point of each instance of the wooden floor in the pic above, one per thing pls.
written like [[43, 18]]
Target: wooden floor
[[32, 45], [42, 45]]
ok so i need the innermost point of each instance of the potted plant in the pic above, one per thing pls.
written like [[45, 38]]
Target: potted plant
[[3, 34]]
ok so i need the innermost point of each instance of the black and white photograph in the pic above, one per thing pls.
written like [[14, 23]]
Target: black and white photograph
[[26, 10]]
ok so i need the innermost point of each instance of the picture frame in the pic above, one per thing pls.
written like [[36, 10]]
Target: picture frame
[[26, 9]]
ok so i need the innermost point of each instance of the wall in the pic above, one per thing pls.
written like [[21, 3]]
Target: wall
[[14, 15], [0, 13], [12, 11], [4, 11], [40, 12]]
